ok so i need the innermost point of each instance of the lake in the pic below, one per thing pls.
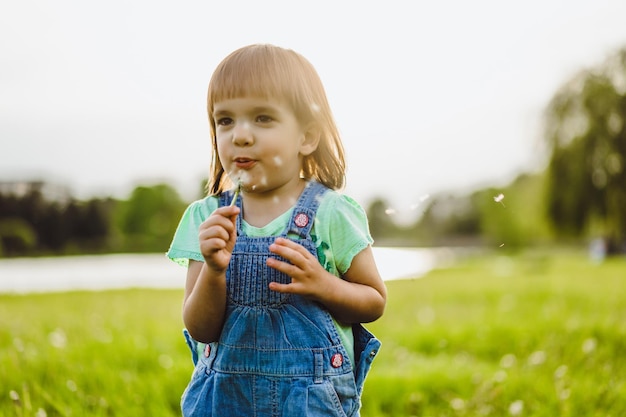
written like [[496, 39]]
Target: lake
[[100, 272]]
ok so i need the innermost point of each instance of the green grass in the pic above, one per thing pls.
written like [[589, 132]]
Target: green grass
[[491, 336]]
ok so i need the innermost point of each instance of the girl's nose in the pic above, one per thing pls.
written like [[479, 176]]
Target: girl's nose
[[242, 134]]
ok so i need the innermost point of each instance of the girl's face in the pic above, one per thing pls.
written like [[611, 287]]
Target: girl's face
[[260, 142]]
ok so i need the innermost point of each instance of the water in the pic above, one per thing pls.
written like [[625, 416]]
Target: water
[[100, 272]]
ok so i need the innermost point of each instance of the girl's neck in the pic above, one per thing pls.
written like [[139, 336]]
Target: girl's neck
[[259, 209]]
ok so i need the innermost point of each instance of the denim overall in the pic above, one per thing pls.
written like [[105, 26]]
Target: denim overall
[[278, 354]]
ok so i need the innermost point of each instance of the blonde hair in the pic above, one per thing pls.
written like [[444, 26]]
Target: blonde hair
[[271, 71]]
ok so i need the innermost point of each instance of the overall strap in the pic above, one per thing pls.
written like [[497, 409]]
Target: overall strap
[[305, 209]]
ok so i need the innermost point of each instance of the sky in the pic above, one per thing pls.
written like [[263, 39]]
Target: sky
[[428, 96]]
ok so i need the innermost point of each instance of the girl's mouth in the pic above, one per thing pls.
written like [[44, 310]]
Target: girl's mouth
[[244, 163]]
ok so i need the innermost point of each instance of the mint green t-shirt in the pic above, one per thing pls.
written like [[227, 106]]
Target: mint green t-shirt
[[340, 231]]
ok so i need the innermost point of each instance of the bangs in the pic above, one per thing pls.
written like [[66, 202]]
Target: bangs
[[262, 71]]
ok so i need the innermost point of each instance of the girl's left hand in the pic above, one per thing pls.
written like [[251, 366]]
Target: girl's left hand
[[308, 276]]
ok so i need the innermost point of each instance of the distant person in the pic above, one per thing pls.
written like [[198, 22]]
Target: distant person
[[280, 267]]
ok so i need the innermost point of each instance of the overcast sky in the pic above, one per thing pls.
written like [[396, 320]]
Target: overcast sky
[[428, 96]]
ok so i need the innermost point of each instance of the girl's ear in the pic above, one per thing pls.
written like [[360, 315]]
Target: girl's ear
[[310, 140]]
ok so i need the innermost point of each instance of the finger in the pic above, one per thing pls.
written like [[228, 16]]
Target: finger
[[284, 267], [282, 288], [212, 246], [292, 251], [214, 232], [227, 211]]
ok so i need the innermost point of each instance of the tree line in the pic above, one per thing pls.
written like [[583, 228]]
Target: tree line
[[580, 195], [32, 223]]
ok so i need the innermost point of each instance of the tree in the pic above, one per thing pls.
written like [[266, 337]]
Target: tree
[[149, 218], [586, 135]]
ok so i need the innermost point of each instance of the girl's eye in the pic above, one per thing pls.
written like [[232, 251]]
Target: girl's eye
[[264, 118], [224, 121]]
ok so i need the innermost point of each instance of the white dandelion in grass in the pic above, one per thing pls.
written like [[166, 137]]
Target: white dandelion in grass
[[71, 385], [560, 372], [516, 407], [499, 198], [14, 396], [58, 339], [508, 360], [457, 404], [500, 376], [589, 345], [537, 358]]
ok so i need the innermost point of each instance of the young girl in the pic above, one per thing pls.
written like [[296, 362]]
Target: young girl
[[280, 268]]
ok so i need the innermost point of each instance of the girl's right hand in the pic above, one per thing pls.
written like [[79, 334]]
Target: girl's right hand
[[217, 236]]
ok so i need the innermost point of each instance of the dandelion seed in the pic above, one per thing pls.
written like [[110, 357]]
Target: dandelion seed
[[315, 108], [564, 394], [41, 413], [390, 211], [278, 161], [239, 176], [516, 408], [502, 245], [421, 200], [499, 198], [14, 396]]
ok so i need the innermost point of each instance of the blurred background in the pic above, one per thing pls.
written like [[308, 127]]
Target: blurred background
[[479, 123], [491, 128]]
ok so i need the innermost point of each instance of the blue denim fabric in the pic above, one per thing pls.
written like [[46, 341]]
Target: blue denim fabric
[[278, 354]]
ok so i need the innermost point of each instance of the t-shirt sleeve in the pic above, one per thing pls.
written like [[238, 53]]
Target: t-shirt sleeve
[[348, 230], [185, 244]]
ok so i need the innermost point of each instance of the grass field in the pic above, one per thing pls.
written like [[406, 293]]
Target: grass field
[[492, 336]]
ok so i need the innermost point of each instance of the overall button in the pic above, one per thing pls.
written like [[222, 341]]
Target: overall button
[[301, 220], [336, 360]]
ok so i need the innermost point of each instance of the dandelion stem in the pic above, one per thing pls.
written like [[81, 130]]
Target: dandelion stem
[[237, 190]]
